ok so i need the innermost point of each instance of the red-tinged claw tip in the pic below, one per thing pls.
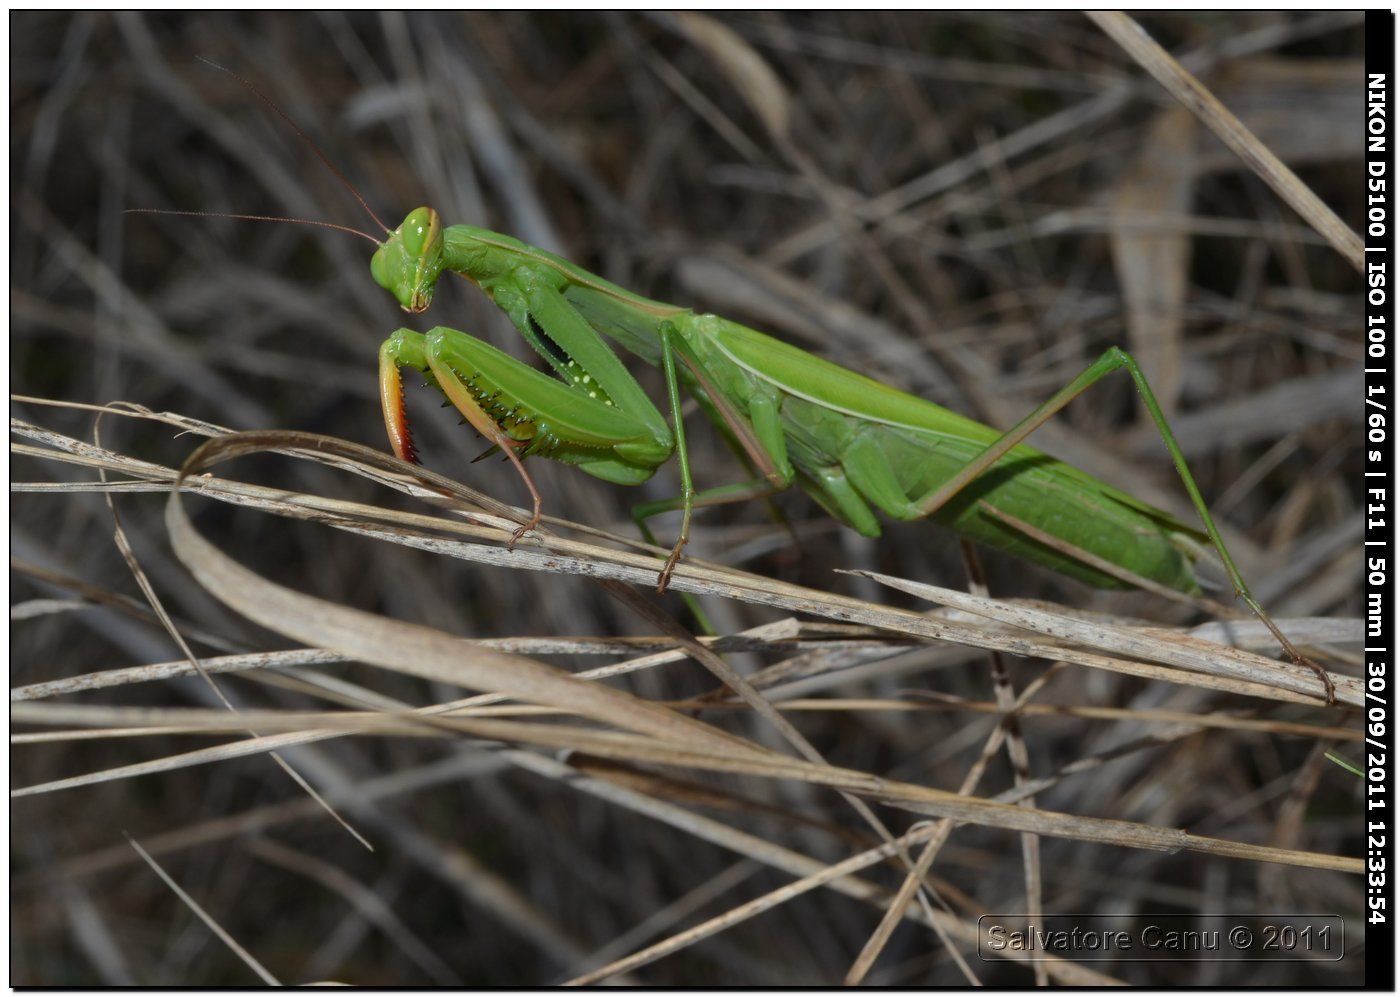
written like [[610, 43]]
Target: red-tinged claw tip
[[410, 449], [401, 438], [395, 411]]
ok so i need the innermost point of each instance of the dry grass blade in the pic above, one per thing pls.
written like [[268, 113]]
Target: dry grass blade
[[1187, 89], [402, 647], [1152, 259], [242, 953], [743, 67], [1173, 649], [758, 906], [634, 749]]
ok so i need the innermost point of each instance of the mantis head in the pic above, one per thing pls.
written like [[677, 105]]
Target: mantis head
[[408, 263]]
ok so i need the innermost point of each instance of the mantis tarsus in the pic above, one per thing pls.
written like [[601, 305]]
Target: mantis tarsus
[[854, 444]]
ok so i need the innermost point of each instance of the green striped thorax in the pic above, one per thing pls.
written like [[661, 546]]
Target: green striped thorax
[[408, 263]]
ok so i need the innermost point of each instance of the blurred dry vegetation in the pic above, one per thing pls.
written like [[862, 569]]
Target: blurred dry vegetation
[[970, 207]]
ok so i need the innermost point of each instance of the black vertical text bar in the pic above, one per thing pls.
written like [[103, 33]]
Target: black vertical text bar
[[1379, 486]]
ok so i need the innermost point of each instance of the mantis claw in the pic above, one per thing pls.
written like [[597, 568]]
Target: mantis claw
[[523, 529], [1321, 673], [1293, 653], [664, 579], [392, 402]]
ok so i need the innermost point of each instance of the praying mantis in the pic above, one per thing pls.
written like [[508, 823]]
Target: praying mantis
[[850, 442], [855, 445]]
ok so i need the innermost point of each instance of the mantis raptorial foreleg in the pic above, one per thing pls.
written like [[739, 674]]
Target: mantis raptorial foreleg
[[439, 353]]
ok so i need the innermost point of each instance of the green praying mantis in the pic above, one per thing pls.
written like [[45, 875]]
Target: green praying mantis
[[855, 445], [852, 443]]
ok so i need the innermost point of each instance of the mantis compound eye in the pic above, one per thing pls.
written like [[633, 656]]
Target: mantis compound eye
[[420, 231]]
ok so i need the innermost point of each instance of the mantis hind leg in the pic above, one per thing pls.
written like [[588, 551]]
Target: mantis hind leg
[[1116, 359]]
